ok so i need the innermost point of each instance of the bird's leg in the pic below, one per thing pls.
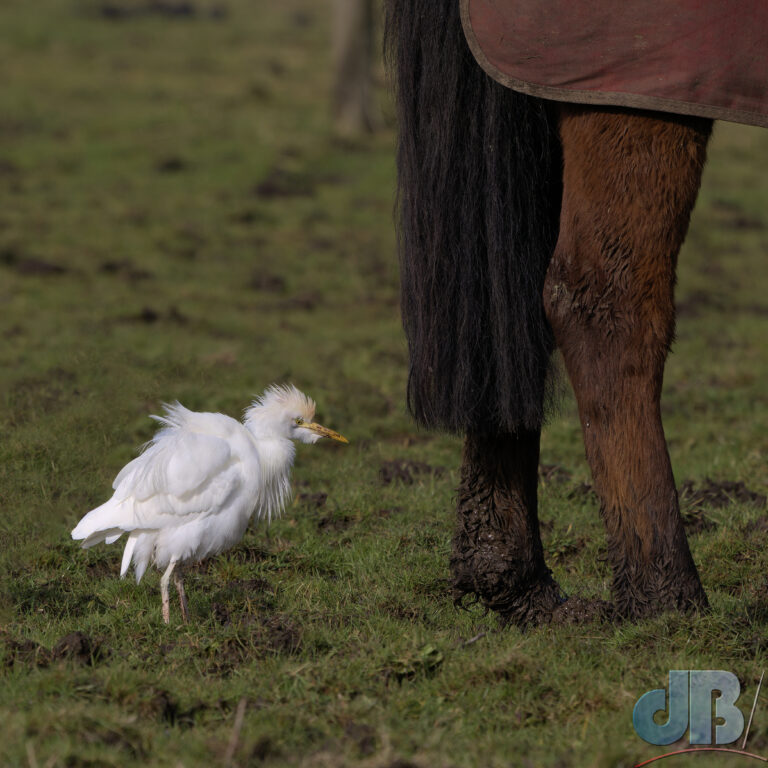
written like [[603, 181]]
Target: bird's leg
[[165, 578], [178, 580]]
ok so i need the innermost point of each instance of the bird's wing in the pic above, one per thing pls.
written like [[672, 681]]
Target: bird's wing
[[178, 463], [181, 472]]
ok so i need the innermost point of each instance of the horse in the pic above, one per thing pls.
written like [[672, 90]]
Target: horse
[[526, 222]]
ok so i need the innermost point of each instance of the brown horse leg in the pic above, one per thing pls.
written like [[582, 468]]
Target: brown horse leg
[[497, 551], [630, 182]]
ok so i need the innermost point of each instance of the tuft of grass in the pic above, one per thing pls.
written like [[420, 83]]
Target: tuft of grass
[[177, 222]]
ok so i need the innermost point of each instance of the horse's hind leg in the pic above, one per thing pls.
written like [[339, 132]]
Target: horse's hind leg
[[497, 552], [630, 183]]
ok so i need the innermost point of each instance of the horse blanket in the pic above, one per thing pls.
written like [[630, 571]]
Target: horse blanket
[[693, 57]]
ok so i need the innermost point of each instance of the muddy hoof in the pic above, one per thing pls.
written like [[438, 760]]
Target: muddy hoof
[[526, 606], [658, 591], [634, 607]]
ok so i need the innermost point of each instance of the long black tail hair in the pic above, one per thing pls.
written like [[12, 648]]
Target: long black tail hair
[[479, 185]]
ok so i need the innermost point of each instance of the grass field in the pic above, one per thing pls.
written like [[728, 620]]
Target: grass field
[[177, 222]]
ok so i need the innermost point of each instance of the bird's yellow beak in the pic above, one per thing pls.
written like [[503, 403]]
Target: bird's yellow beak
[[319, 429]]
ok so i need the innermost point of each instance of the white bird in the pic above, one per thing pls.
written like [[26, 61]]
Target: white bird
[[194, 487]]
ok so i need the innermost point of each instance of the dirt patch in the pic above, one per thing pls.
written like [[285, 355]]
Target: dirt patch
[[693, 500], [8, 167], [580, 610], [29, 265], [760, 310], [13, 332], [171, 164], [304, 300], [319, 243], [278, 633], [581, 492], [716, 495], [313, 500], [745, 222], [553, 473], [150, 315], [697, 303], [280, 183], [405, 471], [75, 646], [54, 598], [186, 243], [250, 216], [262, 749], [303, 19], [79, 647], [267, 282], [251, 553], [695, 521], [25, 652], [253, 636], [388, 511], [164, 707], [126, 269], [333, 523], [363, 736], [760, 525], [228, 602], [734, 217], [169, 9], [406, 439]]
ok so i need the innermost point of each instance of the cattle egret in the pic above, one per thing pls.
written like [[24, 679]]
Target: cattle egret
[[196, 484]]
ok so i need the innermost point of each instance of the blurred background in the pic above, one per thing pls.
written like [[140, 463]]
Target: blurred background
[[196, 200], [193, 204]]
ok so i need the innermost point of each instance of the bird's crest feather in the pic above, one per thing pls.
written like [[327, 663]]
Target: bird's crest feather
[[281, 397]]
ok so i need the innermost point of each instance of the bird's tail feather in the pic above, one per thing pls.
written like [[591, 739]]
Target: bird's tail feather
[[100, 524], [107, 523], [128, 553], [143, 549], [109, 536]]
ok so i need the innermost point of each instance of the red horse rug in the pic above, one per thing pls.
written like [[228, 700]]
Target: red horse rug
[[691, 57]]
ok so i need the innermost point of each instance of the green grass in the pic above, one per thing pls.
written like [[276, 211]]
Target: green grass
[[176, 221]]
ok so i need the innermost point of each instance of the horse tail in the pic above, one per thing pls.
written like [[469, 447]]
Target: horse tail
[[479, 187]]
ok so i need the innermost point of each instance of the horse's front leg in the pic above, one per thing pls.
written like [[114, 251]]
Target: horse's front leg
[[630, 182], [497, 551]]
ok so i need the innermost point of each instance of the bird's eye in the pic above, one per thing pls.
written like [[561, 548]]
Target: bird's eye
[[299, 422]]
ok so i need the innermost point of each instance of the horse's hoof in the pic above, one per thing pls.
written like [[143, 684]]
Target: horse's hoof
[[687, 596], [524, 606]]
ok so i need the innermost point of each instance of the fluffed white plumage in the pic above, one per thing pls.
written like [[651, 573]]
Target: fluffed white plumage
[[195, 486]]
